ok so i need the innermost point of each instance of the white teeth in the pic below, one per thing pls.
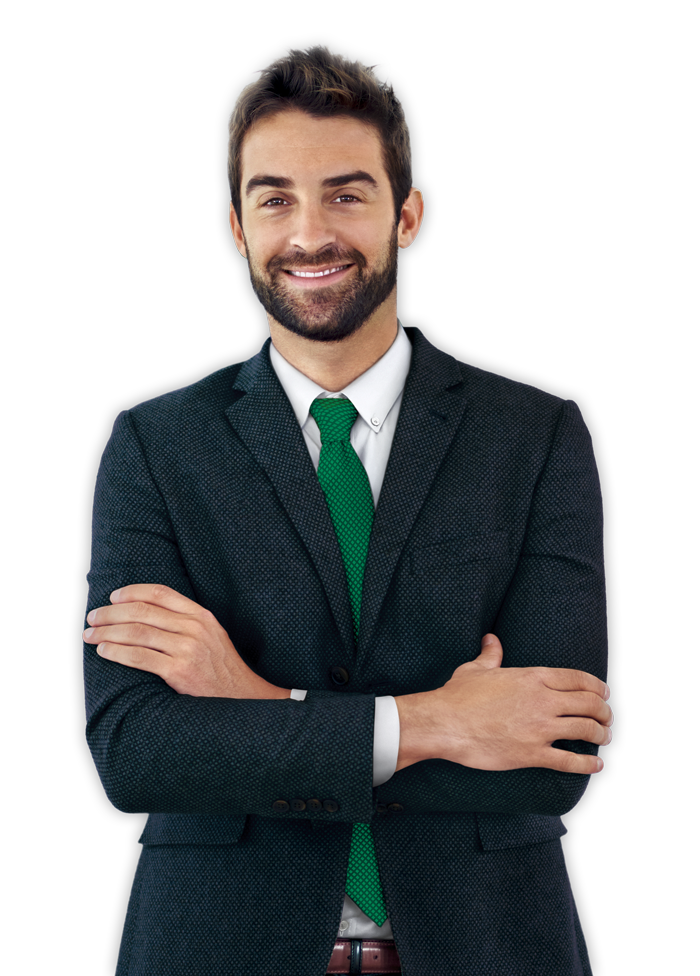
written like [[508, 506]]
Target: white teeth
[[315, 274]]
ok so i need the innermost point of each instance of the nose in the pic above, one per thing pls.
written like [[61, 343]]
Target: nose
[[313, 229]]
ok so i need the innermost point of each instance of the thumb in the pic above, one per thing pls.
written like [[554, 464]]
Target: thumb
[[491, 652]]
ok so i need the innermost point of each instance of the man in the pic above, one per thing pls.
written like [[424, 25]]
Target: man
[[346, 640]]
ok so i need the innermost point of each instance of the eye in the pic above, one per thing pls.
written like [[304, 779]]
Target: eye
[[347, 196], [274, 200]]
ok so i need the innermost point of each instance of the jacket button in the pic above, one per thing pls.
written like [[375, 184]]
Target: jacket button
[[330, 806], [395, 807], [381, 808], [298, 805], [339, 676], [280, 806], [314, 804]]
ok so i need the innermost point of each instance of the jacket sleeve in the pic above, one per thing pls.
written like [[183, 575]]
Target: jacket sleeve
[[553, 615], [157, 751]]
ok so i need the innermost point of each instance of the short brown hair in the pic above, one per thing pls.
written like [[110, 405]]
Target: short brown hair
[[324, 84]]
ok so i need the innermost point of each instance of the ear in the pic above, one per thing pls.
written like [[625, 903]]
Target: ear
[[237, 231], [411, 218]]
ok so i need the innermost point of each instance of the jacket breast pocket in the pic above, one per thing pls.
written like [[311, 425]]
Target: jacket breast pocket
[[192, 828], [499, 831], [460, 555]]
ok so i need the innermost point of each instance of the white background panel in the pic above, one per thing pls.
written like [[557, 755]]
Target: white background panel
[[147, 134], [575, 247]]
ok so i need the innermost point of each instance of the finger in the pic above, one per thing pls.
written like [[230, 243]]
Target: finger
[[586, 729], [142, 658], [144, 613], [569, 679], [584, 703], [491, 653], [490, 656], [570, 762], [136, 635], [156, 594]]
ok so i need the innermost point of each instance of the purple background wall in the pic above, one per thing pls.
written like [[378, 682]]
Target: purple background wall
[[481, 287]]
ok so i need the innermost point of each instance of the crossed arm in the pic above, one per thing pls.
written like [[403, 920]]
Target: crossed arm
[[485, 717], [517, 739]]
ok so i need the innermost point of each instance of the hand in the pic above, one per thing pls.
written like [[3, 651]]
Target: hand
[[489, 717], [154, 628]]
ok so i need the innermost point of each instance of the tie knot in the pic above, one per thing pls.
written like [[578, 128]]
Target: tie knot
[[334, 417]]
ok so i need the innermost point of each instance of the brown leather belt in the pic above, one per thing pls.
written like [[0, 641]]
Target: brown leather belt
[[364, 956]]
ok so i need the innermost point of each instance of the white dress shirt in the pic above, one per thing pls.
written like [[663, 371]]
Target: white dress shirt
[[376, 395]]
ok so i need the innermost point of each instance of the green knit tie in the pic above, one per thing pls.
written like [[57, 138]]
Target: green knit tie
[[346, 486]]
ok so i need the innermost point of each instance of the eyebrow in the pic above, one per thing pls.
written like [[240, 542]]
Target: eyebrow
[[285, 183]]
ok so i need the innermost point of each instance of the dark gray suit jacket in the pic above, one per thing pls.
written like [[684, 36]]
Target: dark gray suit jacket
[[489, 520]]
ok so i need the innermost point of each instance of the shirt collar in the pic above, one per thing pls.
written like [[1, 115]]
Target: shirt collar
[[373, 393]]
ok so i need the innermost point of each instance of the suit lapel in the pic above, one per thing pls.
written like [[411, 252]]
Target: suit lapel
[[432, 407], [264, 420]]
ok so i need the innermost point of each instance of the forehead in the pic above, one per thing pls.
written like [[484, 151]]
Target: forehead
[[292, 143]]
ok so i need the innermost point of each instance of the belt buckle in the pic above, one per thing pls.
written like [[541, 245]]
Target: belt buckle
[[363, 957]]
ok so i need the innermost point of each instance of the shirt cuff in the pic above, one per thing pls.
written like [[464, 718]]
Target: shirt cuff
[[387, 733]]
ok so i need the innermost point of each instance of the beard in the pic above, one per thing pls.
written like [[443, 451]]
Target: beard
[[332, 313]]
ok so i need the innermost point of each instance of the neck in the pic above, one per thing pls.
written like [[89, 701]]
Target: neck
[[333, 365]]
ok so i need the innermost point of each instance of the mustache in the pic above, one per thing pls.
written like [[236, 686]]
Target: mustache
[[329, 255]]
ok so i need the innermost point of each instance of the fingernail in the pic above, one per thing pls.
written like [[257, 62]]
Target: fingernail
[[486, 640], [114, 595], [88, 633], [91, 617], [607, 692], [599, 763]]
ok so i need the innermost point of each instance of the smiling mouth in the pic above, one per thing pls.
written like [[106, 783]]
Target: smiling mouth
[[317, 274]]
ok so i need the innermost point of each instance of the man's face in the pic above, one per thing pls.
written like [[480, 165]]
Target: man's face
[[318, 223]]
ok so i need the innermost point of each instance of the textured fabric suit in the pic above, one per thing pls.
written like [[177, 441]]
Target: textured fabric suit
[[489, 519]]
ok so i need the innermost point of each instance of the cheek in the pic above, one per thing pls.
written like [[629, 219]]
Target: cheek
[[367, 242], [372, 237], [262, 241]]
